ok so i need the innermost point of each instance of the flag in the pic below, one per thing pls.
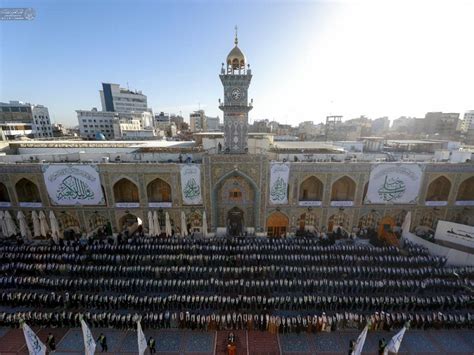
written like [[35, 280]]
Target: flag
[[35, 346], [360, 341], [142, 345], [89, 342], [395, 342]]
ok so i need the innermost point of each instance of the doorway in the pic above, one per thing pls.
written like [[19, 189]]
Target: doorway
[[235, 221]]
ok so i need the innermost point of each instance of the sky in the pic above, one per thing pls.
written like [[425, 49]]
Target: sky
[[309, 59]]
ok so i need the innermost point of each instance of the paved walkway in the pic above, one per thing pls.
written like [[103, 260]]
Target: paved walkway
[[184, 342]]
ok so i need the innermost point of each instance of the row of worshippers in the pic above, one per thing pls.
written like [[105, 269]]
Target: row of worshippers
[[223, 246], [247, 272], [316, 287], [249, 321], [76, 300], [238, 260]]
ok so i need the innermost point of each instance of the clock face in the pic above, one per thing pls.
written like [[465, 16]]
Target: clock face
[[236, 94]]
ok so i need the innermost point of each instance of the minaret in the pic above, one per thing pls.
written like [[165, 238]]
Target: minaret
[[235, 78]]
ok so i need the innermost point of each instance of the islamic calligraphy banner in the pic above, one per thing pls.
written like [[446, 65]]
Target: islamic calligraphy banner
[[394, 183], [191, 184], [73, 184], [279, 174]]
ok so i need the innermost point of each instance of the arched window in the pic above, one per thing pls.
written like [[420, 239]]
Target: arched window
[[466, 190], [4, 196], [158, 191], [343, 189], [277, 224], [27, 191], [125, 191], [311, 190], [438, 190]]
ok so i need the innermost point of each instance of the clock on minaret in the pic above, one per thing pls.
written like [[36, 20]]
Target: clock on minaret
[[235, 77]]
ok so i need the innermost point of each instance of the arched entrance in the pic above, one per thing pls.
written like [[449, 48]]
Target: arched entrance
[[231, 190], [129, 223], [339, 219], [68, 224], [277, 225], [370, 220], [308, 222], [235, 221], [386, 225]]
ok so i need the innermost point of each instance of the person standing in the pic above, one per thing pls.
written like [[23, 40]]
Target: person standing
[[152, 345], [382, 345], [51, 342], [102, 340]]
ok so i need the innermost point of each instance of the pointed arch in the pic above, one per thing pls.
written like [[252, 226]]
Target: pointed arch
[[343, 189], [429, 219], [340, 219], [67, 222], [466, 190], [97, 221], [218, 215], [277, 224], [308, 221], [27, 191], [438, 189], [126, 191], [370, 220], [4, 195], [158, 191], [311, 189]]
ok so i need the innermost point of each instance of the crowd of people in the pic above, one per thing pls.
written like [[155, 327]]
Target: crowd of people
[[278, 285]]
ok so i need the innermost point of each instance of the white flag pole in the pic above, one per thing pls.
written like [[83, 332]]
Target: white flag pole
[[394, 344], [35, 346], [142, 345], [89, 342], [360, 341]]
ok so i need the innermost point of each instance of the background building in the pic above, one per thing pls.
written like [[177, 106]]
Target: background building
[[94, 121], [197, 121], [117, 99], [23, 119]]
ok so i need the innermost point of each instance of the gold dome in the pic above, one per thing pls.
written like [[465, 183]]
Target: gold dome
[[235, 58]]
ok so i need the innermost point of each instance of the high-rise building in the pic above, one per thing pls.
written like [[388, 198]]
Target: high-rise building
[[235, 77], [23, 119], [196, 121], [468, 121], [117, 99]]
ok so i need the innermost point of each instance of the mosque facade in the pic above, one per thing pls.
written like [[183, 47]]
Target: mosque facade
[[241, 185]]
